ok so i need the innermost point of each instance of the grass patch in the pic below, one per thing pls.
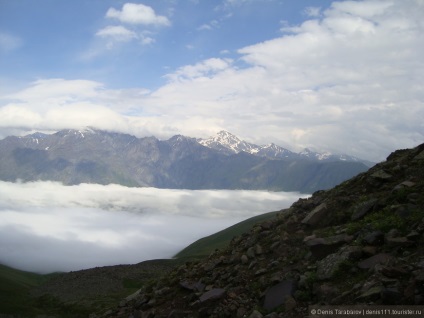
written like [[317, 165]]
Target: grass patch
[[385, 220], [15, 286], [205, 246]]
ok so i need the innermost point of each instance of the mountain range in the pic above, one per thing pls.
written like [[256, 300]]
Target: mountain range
[[220, 162], [228, 143]]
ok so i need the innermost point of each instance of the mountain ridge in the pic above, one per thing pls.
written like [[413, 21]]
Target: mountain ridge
[[228, 143], [96, 156]]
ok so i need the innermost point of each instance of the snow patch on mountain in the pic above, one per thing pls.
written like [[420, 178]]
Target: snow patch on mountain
[[228, 143]]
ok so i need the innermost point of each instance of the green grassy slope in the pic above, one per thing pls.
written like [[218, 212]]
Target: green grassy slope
[[221, 239], [15, 287]]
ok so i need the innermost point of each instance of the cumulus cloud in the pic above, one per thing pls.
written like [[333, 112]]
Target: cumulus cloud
[[205, 68], [117, 32], [45, 226], [134, 13], [312, 11], [347, 81]]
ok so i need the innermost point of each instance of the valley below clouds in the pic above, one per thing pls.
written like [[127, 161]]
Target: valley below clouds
[[46, 226]]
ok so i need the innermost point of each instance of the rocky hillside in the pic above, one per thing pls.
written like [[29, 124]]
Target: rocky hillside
[[359, 243]]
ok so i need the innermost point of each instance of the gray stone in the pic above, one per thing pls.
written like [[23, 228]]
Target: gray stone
[[277, 295], [369, 250], [133, 296], [255, 314], [420, 156], [374, 238], [370, 262], [393, 272], [321, 247], [399, 241], [405, 184], [258, 249], [244, 259], [213, 294], [362, 209], [193, 286], [316, 215], [372, 294], [381, 175], [330, 265], [250, 252], [290, 303]]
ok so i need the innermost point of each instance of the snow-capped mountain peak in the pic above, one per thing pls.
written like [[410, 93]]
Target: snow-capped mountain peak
[[228, 143]]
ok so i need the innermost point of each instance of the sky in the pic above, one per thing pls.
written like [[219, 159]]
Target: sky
[[91, 225], [338, 76]]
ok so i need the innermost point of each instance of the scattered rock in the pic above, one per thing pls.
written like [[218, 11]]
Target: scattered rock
[[330, 265], [277, 295], [374, 238], [372, 294], [316, 216], [398, 241], [255, 314], [193, 286], [362, 209], [370, 262], [321, 247], [213, 294], [381, 175]]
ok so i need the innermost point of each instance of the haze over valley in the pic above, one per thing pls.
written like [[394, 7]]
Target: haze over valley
[[46, 226]]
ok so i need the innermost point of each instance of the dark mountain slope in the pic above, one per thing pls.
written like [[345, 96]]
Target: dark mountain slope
[[358, 243], [94, 156]]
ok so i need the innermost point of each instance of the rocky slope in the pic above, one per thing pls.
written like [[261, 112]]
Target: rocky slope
[[358, 243]]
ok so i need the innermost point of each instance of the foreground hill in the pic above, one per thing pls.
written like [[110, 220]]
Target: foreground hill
[[95, 156], [358, 243]]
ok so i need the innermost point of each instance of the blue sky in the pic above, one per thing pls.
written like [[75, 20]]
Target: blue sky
[[73, 39], [340, 76]]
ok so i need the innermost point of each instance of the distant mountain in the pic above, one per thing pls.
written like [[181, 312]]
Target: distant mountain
[[223, 162], [228, 143]]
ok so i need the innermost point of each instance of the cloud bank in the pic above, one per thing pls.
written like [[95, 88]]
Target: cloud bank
[[46, 226], [349, 79]]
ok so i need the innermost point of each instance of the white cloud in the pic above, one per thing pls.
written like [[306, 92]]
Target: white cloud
[[312, 11], [57, 89], [349, 81], [134, 13], [118, 33], [207, 67], [209, 26], [92, 225]]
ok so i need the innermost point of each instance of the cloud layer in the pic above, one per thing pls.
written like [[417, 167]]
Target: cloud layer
[[349, 79], [45, 226]]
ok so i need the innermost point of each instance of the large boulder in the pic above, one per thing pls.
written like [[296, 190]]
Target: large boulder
[[316, 216], [277, 295]]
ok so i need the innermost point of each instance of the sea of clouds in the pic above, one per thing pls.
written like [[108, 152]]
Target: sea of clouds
[[47, 226]]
